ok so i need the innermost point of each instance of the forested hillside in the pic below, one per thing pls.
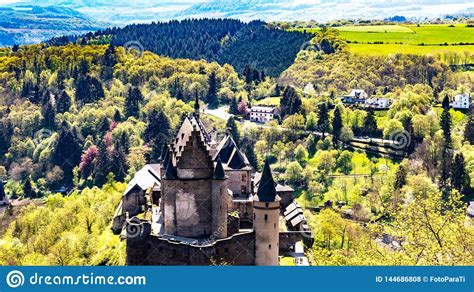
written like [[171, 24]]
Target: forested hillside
[[222, 40], [70, 115]]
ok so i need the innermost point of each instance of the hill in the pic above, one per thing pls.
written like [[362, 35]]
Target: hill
[[406, 39], [223, 40], [32, 24]]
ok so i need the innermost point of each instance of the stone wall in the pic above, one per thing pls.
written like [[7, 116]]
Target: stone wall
[[239, 180], [236, 250], [187, 207]]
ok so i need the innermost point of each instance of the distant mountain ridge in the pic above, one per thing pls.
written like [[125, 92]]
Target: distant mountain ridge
[[123, 12], [270, 10], [32, 24]]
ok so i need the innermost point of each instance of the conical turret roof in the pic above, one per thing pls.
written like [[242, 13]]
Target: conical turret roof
[[266, 190], [219, 172]]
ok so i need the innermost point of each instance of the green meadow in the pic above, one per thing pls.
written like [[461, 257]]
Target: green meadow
[[407, 39]]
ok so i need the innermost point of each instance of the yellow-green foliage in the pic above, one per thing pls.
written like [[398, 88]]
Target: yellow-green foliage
[[72, 230]]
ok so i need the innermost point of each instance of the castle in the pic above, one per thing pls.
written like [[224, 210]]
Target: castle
[[204, 205]]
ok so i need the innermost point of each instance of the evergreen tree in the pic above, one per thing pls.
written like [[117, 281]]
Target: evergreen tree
[[67, 152], [290, 102], [248, 147], [211, 98], [446, 124], [401, 177], [6, 132], [63, 102], [445, 102], [133, 102], [117, 116], [88, 89], [28, 189], [460, 176], [445, 168], [109, 60], [103, 127], [277, 90], [336, 126], [49, 116], [234, 130], [103, 166], [323, 118], [469, 129], [370, 123], [157, 134], [312, 143], [233, 108], [119, 161]]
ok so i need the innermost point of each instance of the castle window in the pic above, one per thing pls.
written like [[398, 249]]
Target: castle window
[[266, 205], [244, 177], [266, 217], [270, 246], [274, 226]]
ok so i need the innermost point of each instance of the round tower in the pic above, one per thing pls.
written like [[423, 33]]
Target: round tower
[[220, 198], [266, 212]]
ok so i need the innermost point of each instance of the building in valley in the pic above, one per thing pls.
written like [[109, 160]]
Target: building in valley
[[461, 101], [200, 206], [263, 114]]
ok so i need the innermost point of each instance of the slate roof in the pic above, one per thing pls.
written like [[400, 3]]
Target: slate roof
[[231, 156], [266, 189], [219, 170], [145, 178]]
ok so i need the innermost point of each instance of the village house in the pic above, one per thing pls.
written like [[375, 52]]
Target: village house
[[309, 89], [378, 103], [461, 101], [201, 205], [356, 97], [263, 114]]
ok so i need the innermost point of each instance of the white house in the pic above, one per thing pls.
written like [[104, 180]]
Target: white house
[[262, 114], [309, 89], [358, 93], [378, 103], [461, 101]]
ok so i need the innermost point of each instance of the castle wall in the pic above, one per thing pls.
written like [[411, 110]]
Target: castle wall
[[220, 197], [187, 207], [236, 250], [238, 181], [133, 202]]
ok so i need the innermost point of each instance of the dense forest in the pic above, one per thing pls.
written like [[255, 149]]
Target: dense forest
[[87, 117], [223, 40]]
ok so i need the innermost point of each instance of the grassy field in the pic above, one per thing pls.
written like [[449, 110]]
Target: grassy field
[[407, 39], [269, 101]]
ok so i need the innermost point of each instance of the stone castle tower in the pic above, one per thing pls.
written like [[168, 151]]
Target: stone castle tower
[[203, 205], [266, 210]]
